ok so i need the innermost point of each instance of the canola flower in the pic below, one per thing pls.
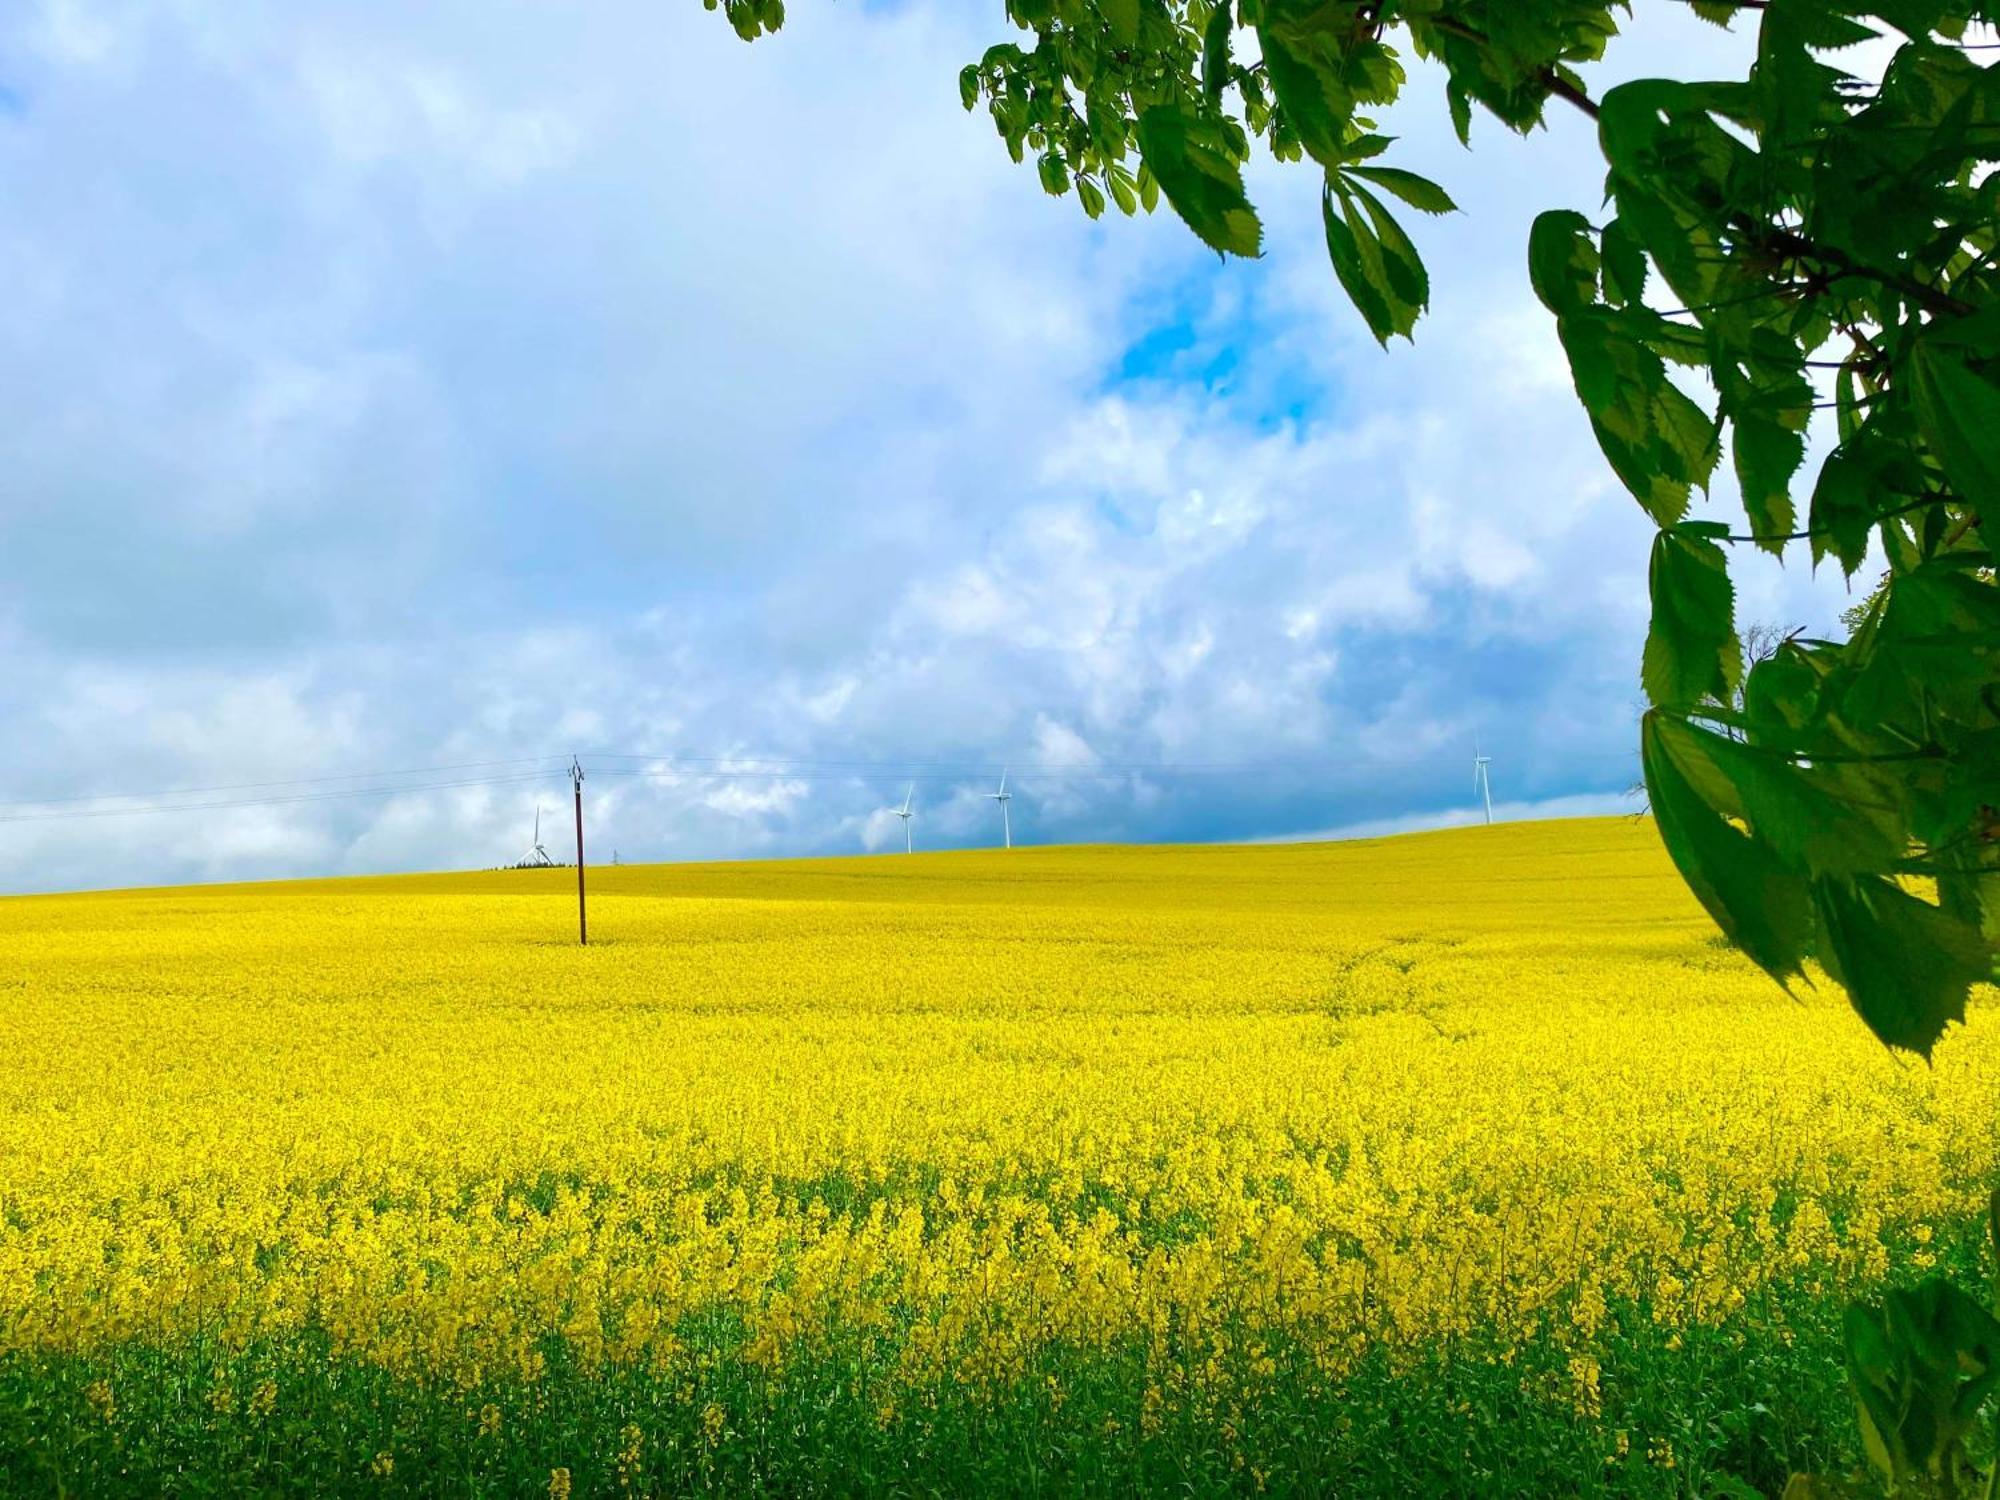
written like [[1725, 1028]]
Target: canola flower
[[961, 1112]]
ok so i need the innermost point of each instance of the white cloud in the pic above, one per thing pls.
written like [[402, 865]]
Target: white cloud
[[448, 386]]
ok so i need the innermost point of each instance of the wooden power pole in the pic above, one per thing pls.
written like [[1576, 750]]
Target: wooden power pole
[[576, 779]]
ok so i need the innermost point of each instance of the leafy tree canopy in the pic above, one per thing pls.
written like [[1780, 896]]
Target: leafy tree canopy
[[1808, 237]]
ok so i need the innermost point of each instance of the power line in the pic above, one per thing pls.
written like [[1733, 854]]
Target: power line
[[659, 768], [303, 797], [804, 767], [250, 786]]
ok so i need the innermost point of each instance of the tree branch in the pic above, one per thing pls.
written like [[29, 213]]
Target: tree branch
[[1807, 535], [1554, 82], [1932, 300]]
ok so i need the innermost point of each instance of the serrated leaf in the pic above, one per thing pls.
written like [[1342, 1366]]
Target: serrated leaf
[[1123, 193], [1843, 510], [1419, 192], [1562, 262], [1814, 820], [1761, 907], [1906, 965], [968, 85], [1202, 182], [1460, 104], [1767, 454], [1122, 16], [1691, 648], [1215, 52], [1317, 105], [1624, 264], [1357, 263], [1689, 446], [1959, 414], [1409, 283]]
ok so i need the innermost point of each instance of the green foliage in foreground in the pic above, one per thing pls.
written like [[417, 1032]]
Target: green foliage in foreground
[[1735, 1411], [1730, 1412], [1814, 235]]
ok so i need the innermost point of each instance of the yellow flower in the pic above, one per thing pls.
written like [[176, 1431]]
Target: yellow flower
[[382, 1465], [559, 1484], [1585, 1394], [1329, 1108]]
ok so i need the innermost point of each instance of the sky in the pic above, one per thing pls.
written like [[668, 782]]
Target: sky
[[399, 395]]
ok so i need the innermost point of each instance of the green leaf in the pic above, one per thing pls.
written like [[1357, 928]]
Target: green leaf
[[1360, 273], [1871, 1375], [1090, 196], [1123, 193], [1122, 16], [1761, 907], [1814, 820], [1460, 105], [1404, 268], [1377, 265], [1658, 441], [1767, 453], [1842, 512], [1959, 414], [1419, 192], [1624, 268], [1717, 12], [1317, 105], [1685, 437], [1054, 174], [1562, 262], [1906, 965], [968, 85], [1202, 181], [1215, 52], [1691, 649]]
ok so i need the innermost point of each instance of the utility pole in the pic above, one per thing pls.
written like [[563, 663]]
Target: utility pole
[[576, 779]]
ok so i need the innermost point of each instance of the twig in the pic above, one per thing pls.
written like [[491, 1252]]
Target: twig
[[1551, 80]]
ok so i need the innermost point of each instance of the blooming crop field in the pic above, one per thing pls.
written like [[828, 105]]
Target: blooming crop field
[[1464, 1162]]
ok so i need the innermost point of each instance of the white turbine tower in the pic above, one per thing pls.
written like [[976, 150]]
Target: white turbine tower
[[1481, 782], [1003, 797], [904, 812], [537, 857]]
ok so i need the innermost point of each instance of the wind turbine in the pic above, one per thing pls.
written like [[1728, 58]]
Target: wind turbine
[[1481, 782], [1003, 797], [903, 812], [537, 858]]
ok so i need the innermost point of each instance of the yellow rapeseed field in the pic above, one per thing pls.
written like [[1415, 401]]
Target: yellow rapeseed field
[[1369, 1099]]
